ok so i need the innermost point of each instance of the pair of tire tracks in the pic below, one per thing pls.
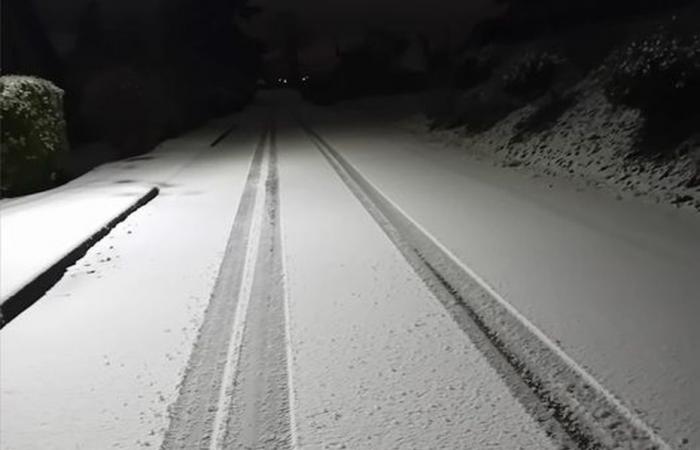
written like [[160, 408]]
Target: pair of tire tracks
[[234, 392], [236, 389], [568, 403]]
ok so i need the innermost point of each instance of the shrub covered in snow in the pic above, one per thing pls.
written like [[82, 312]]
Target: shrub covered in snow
[[33, 133], [531, 75], [659, 73]]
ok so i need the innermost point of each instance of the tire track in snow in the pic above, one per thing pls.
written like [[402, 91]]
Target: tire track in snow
[[261, 417], [240, 318], [217, 391], [567, 401]]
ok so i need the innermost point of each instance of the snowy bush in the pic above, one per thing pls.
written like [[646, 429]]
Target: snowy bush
[[657, 74], [33, 133], [531, 75]]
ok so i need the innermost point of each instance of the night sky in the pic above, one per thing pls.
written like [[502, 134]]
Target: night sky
[[320, 19], [348, 15]]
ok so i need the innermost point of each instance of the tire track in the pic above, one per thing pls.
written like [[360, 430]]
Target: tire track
[[261, 417], [570, 404], [220, 398]]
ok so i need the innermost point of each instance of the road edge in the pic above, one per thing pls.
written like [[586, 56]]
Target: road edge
[[30, 293]]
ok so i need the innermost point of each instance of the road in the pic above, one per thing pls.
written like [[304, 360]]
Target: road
[[324, 279]]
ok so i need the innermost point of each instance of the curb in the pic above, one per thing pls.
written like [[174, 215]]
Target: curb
[[25, 297]]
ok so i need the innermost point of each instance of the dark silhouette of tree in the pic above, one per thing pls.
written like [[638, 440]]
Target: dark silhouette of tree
[[288, 26], [375, 66], [91, 35], [91, 50], [204, 35], [524, 19], [26, 49], [137, 79]]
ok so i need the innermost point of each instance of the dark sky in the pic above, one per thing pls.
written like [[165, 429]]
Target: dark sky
[[62, 14], [327, 22], [320, 19], [329, 16]]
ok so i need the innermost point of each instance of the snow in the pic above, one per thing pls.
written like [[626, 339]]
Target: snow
[[614, 282], [589, 143], [97, 361], [38, 230], [233, 352], [377, 362], [35, 236]]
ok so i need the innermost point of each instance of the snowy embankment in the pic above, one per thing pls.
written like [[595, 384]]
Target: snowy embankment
[[590, 143]]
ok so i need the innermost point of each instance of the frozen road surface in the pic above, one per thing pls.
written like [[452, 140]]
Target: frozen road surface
[[324, 280]]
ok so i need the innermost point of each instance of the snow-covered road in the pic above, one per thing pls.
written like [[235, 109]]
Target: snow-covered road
[[315, 281]]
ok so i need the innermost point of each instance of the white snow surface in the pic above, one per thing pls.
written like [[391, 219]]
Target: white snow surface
[[97, 361], [35, 235], [377, 362], [614, 282], [39, 229]]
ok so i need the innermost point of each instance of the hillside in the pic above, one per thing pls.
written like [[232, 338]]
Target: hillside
[[618, 111]]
